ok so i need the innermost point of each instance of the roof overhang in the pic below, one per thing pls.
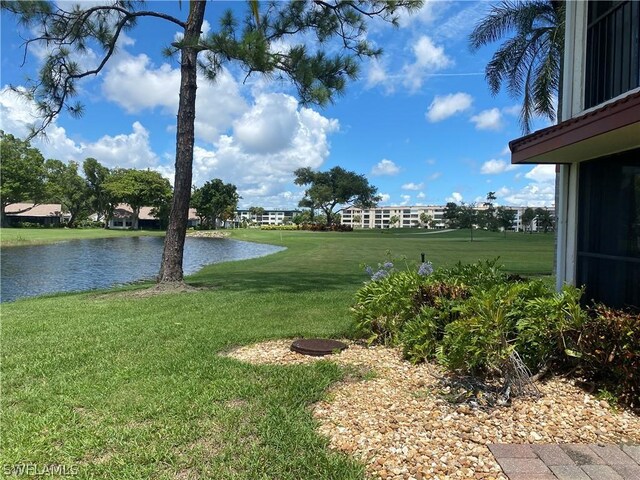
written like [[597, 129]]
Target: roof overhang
[[612, 128]]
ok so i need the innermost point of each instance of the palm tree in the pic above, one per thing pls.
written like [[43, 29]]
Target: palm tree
[[530, 61]]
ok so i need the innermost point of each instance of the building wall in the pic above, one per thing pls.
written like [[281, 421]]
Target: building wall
[[573, 105]]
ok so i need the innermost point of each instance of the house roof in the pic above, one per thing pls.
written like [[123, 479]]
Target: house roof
[[42, 210], [123, 210], [609, 129]]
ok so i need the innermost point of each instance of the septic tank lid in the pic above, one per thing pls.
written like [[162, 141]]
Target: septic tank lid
[[317, 347]]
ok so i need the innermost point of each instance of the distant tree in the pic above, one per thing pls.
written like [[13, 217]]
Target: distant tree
[[489, 214], [138, 188], [467, 217], [22, 173], [529, 62], [214, 201], [451, 215], [357, 220], [544, 219], [67, 187], [505, 217], [336, 31], [528, 216], [337, 187], [425, 219], [303, 217], [102, 203], [256, 212], [394, 220]]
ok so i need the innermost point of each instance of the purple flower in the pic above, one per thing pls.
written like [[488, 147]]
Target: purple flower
[[368, 270], [379, 275], [425, 269], [388, 265]]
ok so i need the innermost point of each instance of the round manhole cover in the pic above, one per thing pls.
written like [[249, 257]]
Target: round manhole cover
[[317, 347]]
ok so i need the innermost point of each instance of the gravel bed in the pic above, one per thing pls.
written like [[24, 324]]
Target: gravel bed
[[398, 423]]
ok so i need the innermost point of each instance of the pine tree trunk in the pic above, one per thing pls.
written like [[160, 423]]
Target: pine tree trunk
[[171, 267]]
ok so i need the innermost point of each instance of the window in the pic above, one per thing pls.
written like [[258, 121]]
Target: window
[[613, 50], [609, 229], [117, 223]]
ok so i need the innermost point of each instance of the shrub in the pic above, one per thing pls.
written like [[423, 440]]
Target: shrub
[[480, 340], [384, 304], [89, 224], [545, 333], [608, 351]]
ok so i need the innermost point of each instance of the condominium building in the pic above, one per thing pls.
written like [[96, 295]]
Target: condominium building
[[268, 217], [417, 216]]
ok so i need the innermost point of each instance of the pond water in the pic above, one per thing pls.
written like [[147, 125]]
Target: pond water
[[79, 265]]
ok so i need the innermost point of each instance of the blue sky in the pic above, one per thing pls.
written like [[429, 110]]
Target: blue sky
[[419, 122]]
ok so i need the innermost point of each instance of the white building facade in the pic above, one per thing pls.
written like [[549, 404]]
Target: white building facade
[[420, 216]]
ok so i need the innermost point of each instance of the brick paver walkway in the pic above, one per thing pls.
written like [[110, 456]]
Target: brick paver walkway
[[568, 462]]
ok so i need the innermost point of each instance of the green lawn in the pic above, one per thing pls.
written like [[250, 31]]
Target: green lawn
[[36, 236], [132, 387]]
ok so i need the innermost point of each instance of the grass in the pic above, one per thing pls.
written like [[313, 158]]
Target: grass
[[10, 237], [126, 387]]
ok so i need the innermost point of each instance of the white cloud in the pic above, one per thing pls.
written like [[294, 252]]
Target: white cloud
[[376, 75], [540, 192], [406, 199], [135, 84], [412, 186], [505, 151], [124, 150], [455, 197], [429, 57], [130, 150], [445, 106], [513, 110], [384, 197], [542, 173], [270, 124], [533, 195], [385, 167], [488, 120], [262, 166], [495, 166], [435, 176], [425, 14], [421, 195]]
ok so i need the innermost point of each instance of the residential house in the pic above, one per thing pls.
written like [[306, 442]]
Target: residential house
[[46, 214], [597, 148], [123, 218]]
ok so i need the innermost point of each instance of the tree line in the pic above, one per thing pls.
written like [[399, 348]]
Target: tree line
[[93, 189], [81, 190], [494, 218]]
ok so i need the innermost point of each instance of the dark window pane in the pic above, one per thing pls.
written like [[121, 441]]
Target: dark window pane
[[609, 229], [613, 53]]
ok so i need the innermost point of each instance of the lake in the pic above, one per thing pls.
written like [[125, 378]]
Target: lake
[[80, 265]]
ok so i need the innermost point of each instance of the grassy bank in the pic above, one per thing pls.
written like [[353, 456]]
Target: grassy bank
[[10, 237], [123, 386]]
